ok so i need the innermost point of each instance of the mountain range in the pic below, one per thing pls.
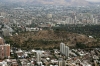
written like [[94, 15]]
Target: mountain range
[[63, 2], [51, 2]]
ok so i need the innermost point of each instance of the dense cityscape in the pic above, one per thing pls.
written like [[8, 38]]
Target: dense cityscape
[[49, 35]]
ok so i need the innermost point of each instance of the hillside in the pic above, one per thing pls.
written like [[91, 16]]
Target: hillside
[[49, 39]]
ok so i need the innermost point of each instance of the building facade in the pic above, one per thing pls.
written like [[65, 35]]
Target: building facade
[[4, 49], [61, 63]]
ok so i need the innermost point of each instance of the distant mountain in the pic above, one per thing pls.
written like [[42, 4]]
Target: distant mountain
[[51, 2], [79, 2], [62, 2]]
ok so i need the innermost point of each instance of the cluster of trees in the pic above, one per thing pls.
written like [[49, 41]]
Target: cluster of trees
[[93, 30], [81, 46], [38, 44]]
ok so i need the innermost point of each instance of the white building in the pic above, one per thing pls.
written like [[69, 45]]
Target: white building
[[64, 49], [49, 15], [38, 57]]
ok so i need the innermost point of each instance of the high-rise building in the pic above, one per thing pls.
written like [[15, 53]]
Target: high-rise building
[[4, 51], [38, 57], [64, 49], [61, 63]]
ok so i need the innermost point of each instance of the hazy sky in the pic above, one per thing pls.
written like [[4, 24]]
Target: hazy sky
[[94, 0], [58, 0]]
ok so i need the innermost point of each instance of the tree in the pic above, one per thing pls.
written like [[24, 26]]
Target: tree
[[80, 45]]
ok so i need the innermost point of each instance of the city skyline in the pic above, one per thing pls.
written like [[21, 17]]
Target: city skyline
[[49, 33]]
